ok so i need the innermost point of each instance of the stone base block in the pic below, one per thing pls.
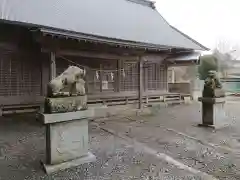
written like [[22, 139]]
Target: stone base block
[[213, 113], [69, 164], [67, 139]]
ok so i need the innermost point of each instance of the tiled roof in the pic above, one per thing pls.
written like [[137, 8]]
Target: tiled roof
[[124, 20]]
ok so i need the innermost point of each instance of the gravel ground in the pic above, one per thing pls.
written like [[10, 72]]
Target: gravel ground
[[22, 145], [162, 133], [185, 118]]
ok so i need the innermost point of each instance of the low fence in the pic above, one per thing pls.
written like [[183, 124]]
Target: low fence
[[231, 84]]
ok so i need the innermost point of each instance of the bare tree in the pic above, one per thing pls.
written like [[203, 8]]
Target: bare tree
[[224, 52], [227, 48]]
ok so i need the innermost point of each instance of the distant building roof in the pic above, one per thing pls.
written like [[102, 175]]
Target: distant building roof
[[129, 21], [185, 57]]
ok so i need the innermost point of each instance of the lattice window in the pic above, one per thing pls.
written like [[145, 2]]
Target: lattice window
[[171, 77], [129, 76], [100, 74], [5, 76], [93, 82], [109, 75], [155, 77], [61, 65], [20, 75]]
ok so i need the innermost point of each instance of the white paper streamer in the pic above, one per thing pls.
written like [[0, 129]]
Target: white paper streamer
[[123, 73], [112, 76], [97, 75]]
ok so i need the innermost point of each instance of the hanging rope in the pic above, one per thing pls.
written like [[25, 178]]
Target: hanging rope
[[99, 70]]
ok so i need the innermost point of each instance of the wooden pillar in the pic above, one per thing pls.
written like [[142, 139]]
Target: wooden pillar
[[173, 75], [45, 74], [87, 70], [101, 78], [140, 91], [53, 66], [119, 76], [167, 77]]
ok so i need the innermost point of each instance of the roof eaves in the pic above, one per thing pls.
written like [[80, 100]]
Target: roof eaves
[[98, 39], [188, 37], [190, 56], [90, 38], [205, 48]]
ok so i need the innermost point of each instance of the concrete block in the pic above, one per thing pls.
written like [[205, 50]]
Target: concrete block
[[213, 113]]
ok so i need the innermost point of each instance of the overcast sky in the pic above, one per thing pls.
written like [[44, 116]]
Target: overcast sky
[[205, 21]]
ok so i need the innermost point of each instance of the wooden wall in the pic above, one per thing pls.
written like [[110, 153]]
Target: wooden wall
[[20, 74], [25, 71], [23, 77], [20, 67], [107, 77]]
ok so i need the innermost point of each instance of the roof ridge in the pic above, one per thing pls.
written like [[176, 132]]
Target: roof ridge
[[148, 3]]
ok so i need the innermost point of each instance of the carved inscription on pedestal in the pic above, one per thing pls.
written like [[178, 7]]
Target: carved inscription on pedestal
[[69, 141]]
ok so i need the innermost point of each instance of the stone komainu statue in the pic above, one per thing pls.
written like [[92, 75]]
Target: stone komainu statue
[[68, 83], [66, 92], [212, 86]]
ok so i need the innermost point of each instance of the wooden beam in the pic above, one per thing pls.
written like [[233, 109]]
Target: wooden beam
[[21, 100], [91, 54], [8, 46], [140, 91], [157, 58], [183, 63], [53, 66], [45, 75]]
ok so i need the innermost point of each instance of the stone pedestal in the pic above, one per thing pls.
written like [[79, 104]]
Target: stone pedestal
[[65, 104], [213, 112], [66, 140]]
